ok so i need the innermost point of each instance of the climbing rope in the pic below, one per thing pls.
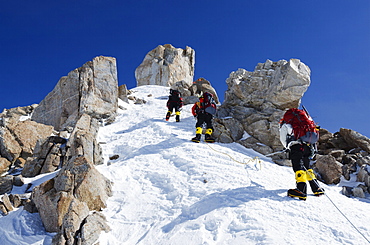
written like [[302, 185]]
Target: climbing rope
[[348, 219], [245, 163], [257, 160], [249, 160], [317, 183]]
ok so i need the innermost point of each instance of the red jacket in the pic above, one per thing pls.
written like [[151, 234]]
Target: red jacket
[[203, 107], [196, 108]]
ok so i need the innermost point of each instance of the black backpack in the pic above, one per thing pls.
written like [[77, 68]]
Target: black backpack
[[175, 93]]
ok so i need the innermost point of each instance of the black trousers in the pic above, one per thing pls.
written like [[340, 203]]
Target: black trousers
[[299, 155], [204, 118], [173, 105]]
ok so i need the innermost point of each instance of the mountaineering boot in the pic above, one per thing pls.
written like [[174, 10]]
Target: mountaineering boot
[[297, 193], [316, 189], [168, 115], [301, 189], [208, 137], [177, 116], [319, 192], [198, 134], [196, 138]]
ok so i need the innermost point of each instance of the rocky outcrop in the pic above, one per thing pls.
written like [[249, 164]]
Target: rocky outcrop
[[48, 156], [18, 140], [27, 133], [6, 184], [279, 85], [82, 141], [355, 139], [91, 89], [166, 65], [344, 154], [329, 169], [228, 130], [190, 93], [172, 67], [4, 164], [69, 203], [9, 147], [89, 97], [21, 143], [77, 189], [123, 92], [65, 202], [16, 114], [259, 99]]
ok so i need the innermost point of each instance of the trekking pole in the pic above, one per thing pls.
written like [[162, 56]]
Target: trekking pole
[[313, 178], [275, 153], [305, 110]]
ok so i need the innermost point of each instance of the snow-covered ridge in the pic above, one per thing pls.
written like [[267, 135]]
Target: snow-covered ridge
[[168, 190]]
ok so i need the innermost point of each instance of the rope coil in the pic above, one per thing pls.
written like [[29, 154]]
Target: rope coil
[[249, 160]]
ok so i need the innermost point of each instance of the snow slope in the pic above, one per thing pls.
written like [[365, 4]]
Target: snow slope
[[171, 191]]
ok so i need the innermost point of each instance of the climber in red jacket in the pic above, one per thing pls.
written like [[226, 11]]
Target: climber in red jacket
[[204, 111]]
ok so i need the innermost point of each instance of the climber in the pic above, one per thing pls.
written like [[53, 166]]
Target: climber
[[299, 134], [204, 111], [174, 102]]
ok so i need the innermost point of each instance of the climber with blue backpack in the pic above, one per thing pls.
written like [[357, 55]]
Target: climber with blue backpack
[[203, 111], [299, 134]]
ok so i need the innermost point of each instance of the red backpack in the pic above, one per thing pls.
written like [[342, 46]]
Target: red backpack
[[304, 128]]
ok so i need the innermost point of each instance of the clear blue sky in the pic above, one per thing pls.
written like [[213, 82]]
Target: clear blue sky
[[42, 41]]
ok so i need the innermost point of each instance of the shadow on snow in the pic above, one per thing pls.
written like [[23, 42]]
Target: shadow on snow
[[227, 198]]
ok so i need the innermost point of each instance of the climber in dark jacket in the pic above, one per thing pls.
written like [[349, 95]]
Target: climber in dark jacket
[[174, 103]]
